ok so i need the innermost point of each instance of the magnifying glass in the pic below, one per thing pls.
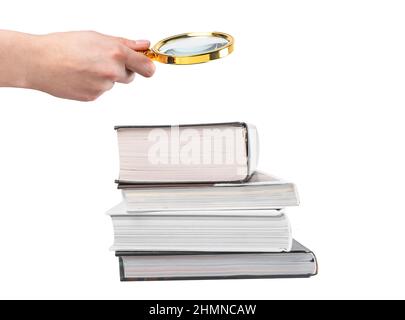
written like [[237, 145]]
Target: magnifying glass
[[192, 48]]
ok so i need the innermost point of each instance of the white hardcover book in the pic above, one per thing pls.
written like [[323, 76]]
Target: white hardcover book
[[252, 232], [261, 192], [222, 152]]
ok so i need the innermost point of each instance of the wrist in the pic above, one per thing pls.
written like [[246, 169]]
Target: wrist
[[18, 56]]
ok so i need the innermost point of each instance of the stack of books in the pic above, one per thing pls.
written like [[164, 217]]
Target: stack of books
[[195, 207]]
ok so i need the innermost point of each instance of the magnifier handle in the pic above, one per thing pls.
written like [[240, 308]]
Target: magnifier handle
[[149, 53]]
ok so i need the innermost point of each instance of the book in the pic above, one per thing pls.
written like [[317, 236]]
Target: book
[[261, 191], [194, 207], [299, 262], [223, 231], [225, 152]]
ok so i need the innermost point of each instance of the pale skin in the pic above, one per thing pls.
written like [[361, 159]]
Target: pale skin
[[72, 65]]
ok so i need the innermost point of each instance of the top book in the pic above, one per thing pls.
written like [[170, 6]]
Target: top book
[[199, 153]]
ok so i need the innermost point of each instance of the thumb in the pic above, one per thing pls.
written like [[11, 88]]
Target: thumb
[[137, 45]]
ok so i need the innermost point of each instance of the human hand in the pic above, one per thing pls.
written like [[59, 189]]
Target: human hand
[[80, 65]]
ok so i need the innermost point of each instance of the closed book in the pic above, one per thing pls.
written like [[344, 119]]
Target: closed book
[[205, 231], [198, 153], [261, 191], [299, 262]]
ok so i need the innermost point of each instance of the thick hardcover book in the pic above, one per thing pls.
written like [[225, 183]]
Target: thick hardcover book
[[208, 231], [261, 191], [300, 262], [197, 153]]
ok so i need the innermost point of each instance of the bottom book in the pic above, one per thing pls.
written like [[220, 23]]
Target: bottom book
[[137, 266]]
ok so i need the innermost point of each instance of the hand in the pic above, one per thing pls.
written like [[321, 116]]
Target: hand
[[75, 65]]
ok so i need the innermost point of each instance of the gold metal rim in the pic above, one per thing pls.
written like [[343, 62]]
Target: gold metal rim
[[193, 59]]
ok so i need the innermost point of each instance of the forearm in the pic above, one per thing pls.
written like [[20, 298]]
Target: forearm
[[17, 52]]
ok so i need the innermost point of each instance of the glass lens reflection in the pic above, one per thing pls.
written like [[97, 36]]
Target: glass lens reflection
[[192, 45]]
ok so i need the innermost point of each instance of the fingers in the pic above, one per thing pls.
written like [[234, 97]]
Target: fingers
[[135, 62], [137, 45], [139, 63]]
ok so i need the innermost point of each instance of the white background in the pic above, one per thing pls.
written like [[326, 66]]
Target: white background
[[322, 80]]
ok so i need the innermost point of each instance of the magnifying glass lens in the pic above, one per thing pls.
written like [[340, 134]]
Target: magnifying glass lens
[[182, 47], [191, 48]]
